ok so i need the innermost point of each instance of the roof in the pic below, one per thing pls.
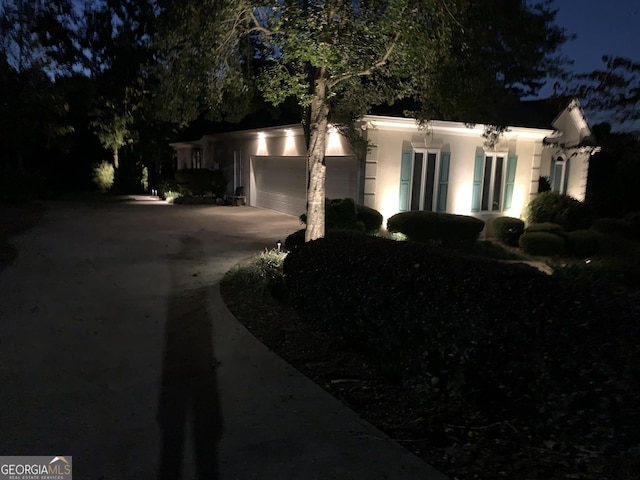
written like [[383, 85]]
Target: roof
[[532, 114]]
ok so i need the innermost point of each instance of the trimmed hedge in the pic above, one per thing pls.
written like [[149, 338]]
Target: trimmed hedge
[[296, 239], [542, 243], [616, 226], [445, 228], [557, 208], [508, 230], [454, 324], [345, 214], [370, 218], [547, 227]]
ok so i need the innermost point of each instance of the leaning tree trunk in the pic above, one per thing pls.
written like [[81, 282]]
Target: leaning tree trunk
[[315, 161]]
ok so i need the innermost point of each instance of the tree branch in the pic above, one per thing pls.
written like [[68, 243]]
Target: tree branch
[[380, 63]]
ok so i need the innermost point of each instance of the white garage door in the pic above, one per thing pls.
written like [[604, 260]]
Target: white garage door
[[281, 181]]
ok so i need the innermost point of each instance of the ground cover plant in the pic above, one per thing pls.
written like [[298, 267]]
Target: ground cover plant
[[485, 370]]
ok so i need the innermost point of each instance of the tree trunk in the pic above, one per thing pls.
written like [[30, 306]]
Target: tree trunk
[[315, 161], [115, 157]]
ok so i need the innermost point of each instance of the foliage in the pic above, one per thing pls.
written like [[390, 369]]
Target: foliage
[[295, 239], [558, 208], [263, 272], [344, 213], [542, 243], [617, 226], [336, 59], [103, 175], [548, 227], [614, 89], [198, 181], [508, 229], [582, 243], [544, 184], [370, 218], [218, 183], [444, 228], [611, 183]]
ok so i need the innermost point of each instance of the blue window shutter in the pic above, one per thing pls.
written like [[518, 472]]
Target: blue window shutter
[[443, 182], [567, 164], [476, 193], [405, 179], [552, 172], [511, 181]]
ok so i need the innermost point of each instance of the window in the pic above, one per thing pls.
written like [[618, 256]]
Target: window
[[423, 180], [196, 158], [493, 182], [559, 175]]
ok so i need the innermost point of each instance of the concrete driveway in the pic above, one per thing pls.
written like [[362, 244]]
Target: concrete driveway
[[116, 349]]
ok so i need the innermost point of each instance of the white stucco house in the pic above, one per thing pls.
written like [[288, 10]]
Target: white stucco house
[[444, 167]]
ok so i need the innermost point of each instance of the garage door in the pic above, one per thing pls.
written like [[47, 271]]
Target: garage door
[[281, 183]]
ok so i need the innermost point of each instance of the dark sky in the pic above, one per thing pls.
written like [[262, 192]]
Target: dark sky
[[602, 27]]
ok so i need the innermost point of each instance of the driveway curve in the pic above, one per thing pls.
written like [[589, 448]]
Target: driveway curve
[[116, 349]]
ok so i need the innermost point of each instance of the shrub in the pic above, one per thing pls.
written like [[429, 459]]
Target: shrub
[[369, 217], [582, 243], [616, 226], [344, 214], [219, 183], [295, 240], [263, 271], [444, 228], [508, 229], [542, 243], [103, 175], [431, 320], [198, 181], [545, 227], [558, 208]]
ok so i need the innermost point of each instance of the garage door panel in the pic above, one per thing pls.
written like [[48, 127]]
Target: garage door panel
[[281, 183]]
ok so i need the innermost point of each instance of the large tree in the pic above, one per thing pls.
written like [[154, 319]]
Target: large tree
[[338, 58], [614, 89]]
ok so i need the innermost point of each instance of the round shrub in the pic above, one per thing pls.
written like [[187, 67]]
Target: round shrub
[[582, 243], [545, 227], [508, 230], [555, 207], [104, 175], [445, 228], [340, 213], [369, 217], [542, 243]]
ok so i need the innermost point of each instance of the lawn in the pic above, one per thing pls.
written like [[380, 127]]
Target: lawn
[[554, 406]]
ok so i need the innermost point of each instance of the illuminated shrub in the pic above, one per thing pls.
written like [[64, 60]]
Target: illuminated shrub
[[443, 228], [103, 175]]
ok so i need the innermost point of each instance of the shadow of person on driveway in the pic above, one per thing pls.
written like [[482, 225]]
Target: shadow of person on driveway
[[189, 400]]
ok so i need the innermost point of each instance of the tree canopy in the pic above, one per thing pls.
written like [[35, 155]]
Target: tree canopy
[[338, 58], [615, 88]]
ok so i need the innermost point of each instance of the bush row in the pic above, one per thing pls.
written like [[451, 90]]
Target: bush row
[[459, 325], [441, 228], [345, 214]]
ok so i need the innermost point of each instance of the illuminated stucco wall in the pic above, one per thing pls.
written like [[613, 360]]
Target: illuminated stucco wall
[[382, 174]]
